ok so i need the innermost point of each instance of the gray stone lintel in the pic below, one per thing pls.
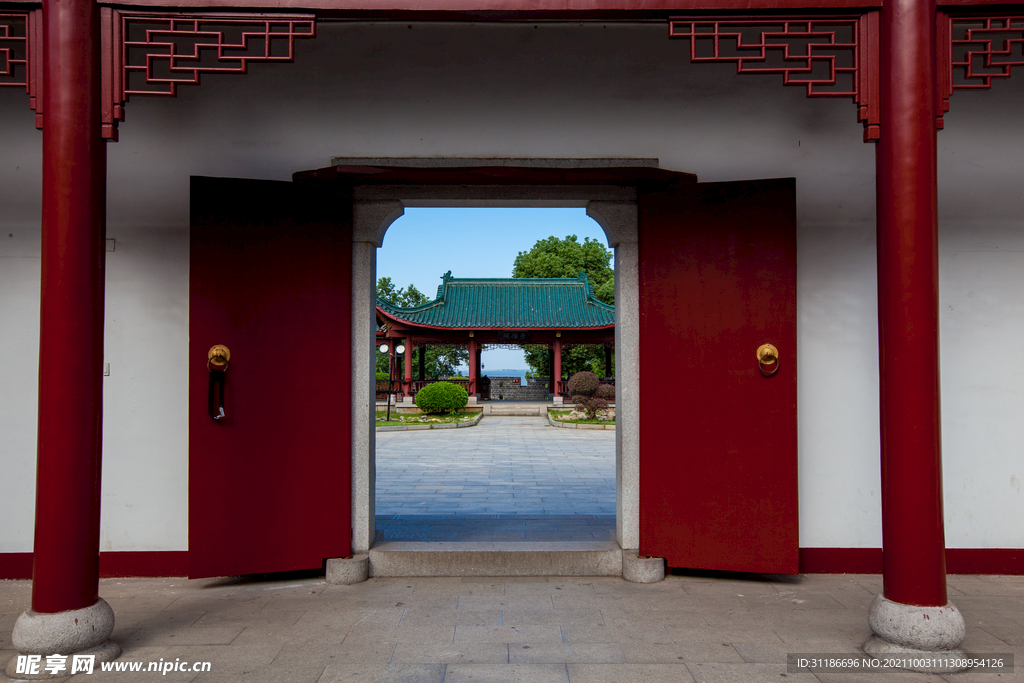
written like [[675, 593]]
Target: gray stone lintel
[[514, 162]]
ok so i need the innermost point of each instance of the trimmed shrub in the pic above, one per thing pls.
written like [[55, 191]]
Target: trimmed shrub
[[583, 384], [590, 405], [605, 391], [381, 374], [441, 397]]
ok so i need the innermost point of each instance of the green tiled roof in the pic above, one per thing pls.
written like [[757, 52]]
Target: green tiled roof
[[471, 303]]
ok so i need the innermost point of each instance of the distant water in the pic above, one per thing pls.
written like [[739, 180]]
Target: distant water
[[507, 373]]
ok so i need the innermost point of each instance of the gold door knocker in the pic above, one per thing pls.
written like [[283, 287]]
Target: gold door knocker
[[217, 363], [219, 355], [767, 359]]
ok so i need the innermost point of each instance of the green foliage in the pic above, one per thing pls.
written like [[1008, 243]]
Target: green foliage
[[574, 359], [410, 296], [563, 416], [441, 397], [440, 362], [605, 391], [554, 257], [590, 405], [382, 374], [583, 384]]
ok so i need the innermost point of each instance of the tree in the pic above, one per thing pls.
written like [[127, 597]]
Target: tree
[[439, 362], [554, 257]]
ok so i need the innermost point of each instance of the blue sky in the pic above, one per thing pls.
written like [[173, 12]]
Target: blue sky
[[424, 243]]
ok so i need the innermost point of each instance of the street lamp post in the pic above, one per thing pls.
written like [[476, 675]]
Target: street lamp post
[[399, 350]]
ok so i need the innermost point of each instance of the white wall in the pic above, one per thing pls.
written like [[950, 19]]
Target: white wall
[[545, 91]]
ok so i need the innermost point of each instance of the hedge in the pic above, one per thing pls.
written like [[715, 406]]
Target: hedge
[[441, 397]]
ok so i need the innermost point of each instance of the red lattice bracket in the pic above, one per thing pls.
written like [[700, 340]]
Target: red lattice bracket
[[834, 56], [973, 50], [14, 49], [21, 40], [153, 54]]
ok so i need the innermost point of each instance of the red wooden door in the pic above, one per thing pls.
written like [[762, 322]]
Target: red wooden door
[[270, 278], [718, 439]]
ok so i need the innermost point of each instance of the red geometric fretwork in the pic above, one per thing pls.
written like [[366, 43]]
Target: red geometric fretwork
[[21, 40], [152, 54], [829, 56], [973, 50], [14, 49]]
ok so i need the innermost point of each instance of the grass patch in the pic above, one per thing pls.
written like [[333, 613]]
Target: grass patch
[[563, 416], [422, 418]]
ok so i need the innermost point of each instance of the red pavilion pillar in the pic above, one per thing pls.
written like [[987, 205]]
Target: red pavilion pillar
[[407, 362], [557, 363], [472, 367], [914, 571], [67, 614]]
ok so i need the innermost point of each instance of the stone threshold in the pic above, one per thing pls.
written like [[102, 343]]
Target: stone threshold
[[531, 558]]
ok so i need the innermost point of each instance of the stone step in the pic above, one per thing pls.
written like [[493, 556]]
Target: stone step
[[520, 411], [530, 558], [516, 413]]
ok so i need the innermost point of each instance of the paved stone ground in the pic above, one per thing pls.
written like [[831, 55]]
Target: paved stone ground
[[507, 479], [529, 630]]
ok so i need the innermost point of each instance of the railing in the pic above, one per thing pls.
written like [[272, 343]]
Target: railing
[[563, 385], [402, 387]]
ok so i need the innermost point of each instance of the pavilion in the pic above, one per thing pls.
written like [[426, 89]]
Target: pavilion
[[499, 312]]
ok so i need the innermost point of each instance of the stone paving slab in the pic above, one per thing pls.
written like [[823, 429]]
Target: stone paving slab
[[508, 479], [535, 629], [483, 528], [506, 465]]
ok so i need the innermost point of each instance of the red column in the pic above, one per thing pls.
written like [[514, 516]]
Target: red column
[[558, 363], [408, 368], [912, 523], [551, 372], [66, 564], [472, 367]]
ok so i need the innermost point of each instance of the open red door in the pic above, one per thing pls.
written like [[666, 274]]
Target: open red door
[[718, 437], [270, 279]]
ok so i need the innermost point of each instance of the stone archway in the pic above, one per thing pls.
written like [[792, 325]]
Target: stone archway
[[612, 206]]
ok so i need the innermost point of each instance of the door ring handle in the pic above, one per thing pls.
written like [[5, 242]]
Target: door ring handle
[[767, 359], [217, 363], [217, 357]]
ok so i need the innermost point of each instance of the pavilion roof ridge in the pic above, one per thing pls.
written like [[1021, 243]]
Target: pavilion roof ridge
[[506, 302]]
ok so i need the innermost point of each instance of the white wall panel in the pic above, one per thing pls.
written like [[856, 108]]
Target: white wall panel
[[546, 91]]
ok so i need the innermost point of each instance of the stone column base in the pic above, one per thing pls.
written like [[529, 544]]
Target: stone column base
[[343, 571], [924, 634], [75, 632], [636, 569]]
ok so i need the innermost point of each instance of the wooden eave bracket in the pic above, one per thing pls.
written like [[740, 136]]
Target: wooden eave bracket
[[829, 55], [974, 49], [152, 53]]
